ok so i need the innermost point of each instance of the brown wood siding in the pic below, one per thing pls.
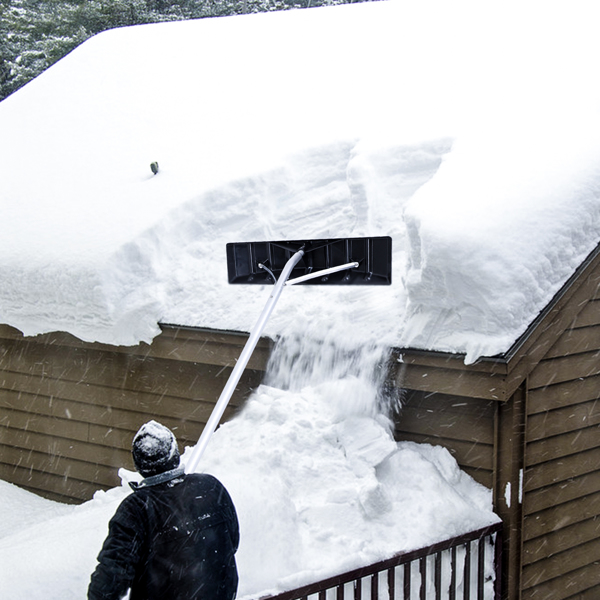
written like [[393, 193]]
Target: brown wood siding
[[561, 496], [451, 376], [571, 304], [465, 426], [68, 410]]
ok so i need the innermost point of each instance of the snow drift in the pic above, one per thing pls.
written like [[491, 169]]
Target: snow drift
[[319, 485], [468, 132]]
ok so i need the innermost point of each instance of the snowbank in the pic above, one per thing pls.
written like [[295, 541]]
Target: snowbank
[[318, 482], [318, 490], [467, 131]]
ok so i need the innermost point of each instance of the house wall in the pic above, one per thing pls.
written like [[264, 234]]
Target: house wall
[[68, 410], [561, 496], [546, 438], [484, 434], [465, 426]]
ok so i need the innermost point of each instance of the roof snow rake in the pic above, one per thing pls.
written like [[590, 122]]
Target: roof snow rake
[[350, 261], [345, 261]]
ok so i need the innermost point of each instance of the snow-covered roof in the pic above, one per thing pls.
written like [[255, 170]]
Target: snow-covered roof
[[467, 131]]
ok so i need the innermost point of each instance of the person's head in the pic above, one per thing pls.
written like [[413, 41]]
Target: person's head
[[154, 449]]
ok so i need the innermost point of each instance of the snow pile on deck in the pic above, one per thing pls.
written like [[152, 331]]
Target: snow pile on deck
[[468, 132], [319, 489], [326, 493]]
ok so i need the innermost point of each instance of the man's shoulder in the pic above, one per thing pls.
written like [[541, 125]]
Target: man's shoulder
[[130, 508], [207, 486], [203, 480]]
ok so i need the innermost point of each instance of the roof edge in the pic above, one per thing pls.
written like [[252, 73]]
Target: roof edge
[[511, 368], [559, 299]]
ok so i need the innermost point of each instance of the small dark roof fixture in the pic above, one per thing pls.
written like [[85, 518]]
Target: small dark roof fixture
[[154, 167]]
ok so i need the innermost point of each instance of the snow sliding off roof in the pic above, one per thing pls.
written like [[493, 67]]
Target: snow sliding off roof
[[466, 131]]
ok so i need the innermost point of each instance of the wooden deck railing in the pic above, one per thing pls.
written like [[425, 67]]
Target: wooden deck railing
[[466, 567]]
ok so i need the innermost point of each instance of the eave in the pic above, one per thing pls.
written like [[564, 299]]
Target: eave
[[498, 377]]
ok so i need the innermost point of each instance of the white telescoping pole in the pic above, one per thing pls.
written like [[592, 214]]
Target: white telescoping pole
[[321, 273], [240, 365]]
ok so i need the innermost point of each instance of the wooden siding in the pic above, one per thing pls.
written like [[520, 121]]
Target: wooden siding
[[465, 426], [448, 374], [542, 398], [568, 306], [561, 499], [68, 410]]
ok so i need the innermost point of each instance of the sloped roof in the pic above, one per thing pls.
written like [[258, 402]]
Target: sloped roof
[[469, 133], [498, 377]]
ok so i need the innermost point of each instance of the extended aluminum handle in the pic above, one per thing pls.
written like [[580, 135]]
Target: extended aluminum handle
[[240, 365]]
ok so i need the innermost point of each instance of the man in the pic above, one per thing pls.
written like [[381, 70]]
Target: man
[[174, 538]]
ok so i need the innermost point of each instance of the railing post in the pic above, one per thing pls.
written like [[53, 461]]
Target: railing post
[[480, 567], [358, 589], [407, 574], [392, 583], [438, 576], [498, 545], [423, 571], [375, 586], [467, 572], [452, 593]]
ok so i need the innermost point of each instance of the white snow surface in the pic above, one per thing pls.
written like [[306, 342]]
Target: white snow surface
[[468, 131], [319, 485]]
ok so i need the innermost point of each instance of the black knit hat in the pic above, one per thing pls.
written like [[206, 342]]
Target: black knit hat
[[154, 449]]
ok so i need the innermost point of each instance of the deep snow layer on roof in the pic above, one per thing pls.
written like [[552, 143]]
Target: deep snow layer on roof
[[468, 131]]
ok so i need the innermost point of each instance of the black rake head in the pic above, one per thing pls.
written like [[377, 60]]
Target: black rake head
[[262, 262]]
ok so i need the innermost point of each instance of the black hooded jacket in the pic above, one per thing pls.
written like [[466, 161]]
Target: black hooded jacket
[[174, 539]]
